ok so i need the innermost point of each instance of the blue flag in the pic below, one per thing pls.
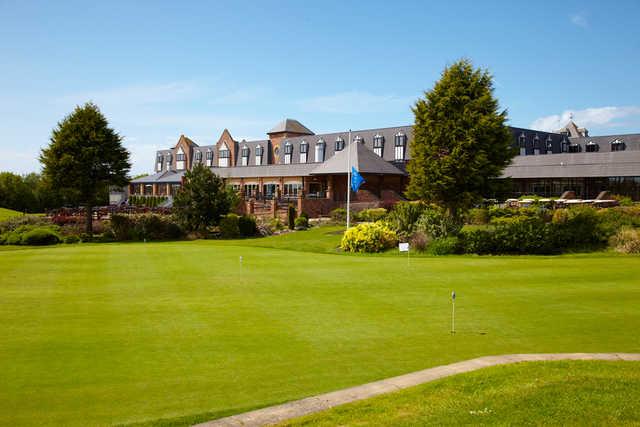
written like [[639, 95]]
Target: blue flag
[[356, 179]]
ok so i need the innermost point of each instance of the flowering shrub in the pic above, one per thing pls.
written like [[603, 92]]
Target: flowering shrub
[[369, 237], [626, 241]]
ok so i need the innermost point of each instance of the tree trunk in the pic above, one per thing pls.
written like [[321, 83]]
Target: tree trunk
[[89, 220]]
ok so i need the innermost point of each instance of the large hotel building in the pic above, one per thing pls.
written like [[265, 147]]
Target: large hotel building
[[293, 162]]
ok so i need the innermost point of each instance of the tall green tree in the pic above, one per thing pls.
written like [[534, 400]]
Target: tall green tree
[[85, 157], [202, 200], [461, 141]]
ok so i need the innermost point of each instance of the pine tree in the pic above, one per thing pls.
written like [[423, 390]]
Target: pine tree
[[461, 142], [85, 157]]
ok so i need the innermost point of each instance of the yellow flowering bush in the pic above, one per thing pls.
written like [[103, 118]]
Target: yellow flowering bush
[[369, 237]]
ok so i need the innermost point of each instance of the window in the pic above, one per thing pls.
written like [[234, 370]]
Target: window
[[618, 145], [259, 151], [198, 155], [339, 144], [244, 155], [575, 148], [522, 144], [250, 190], [378, 144], [400, 145], [320, 150], [288, 153], [292, 189], [304, 149], [167, 160], [565, 145], [159, 163], [223, 156], [209, 157], [358, 139], [536, 145], [549, 145], [180, 159], [592, 147]]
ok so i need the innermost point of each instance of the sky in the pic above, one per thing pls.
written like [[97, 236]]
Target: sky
[[161, 69]]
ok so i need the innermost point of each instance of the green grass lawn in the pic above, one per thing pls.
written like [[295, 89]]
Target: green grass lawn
[[5, 214], [124, 333], [541, 393]]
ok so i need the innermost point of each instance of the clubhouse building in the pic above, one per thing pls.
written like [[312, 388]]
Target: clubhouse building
[[295, 164]]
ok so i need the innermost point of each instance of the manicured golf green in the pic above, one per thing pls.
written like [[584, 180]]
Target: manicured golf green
[[551, 393], [125, 333], [8, 213]]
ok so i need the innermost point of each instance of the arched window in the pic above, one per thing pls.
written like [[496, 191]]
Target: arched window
[[400, 146], [378, 144], [304, 150], [180, 159], [224, 156], [288, 153], [259, 152], [320, 146], [339, 144]]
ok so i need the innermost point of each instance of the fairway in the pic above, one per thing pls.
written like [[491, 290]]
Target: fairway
[[126, 333]]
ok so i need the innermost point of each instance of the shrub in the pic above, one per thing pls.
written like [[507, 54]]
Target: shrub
[[402, 219], [276, 224], [477, 241], [580, 229], [143, 227], [72, 238], [247, 225], [291, 217], [368, 237], [121, 227], [372, 215], [419, 241], [40, 236], [302, 223], [444, 246], [229, 226], [623, 200], [437, 224], [339, 215], [626, 241], [15, 222], [264, 230], [478, 216]]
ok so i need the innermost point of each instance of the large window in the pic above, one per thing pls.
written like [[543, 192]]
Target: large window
[[251, 190], [378, 144], [618, 145], [209, 158], [522, 144], [288, 153], [198, 155], [244, 155], [400, 146], [320, 145], [223, 156], [180, 159], [304, 150], [292, 189], [339, 144], [536, 145], [259, 152], [575, 148], [592, 147], [167, 160], [159, 163], [549, 145]]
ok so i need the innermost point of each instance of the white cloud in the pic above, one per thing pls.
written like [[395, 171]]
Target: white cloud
[[579, 19], [355, 102], [609, 117]]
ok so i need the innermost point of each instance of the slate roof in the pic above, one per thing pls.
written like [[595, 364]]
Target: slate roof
[[361, 157], [277, 170], [290, 125], [575, 165], [160, 177]]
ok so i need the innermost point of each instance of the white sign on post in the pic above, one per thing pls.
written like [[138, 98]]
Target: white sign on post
[[404, 247]]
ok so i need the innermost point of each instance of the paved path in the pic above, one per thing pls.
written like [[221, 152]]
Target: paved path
[[298, 408]]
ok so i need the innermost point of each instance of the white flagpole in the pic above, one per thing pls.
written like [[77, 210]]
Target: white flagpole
[[349, 181]]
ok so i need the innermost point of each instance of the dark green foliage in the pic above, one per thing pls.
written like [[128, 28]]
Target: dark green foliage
[[247, 226], [339, 215], [435, 223], [40, 236], [444, 246], [70, 239], [478, 216], [229, 226], [302, 223], [19, 221], [402, 219], [291, 217], [461, 140], [85, 157], [143, 227], [26, 193], [202, 200]]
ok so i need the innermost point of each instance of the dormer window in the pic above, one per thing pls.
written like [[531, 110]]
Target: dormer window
[[549, 145], [358, 139], [180, 159], [167, 160], [224, 154], [536, 145], [198, 155], [259, 151], [522, 144], [575, 148], [244, 155], [288, 153], [320, 145], [209, 160], [378, 144], [400, 146], [304, 150], [159, 163], [592, 147], [618, 145], [565, 146], [339, 144]]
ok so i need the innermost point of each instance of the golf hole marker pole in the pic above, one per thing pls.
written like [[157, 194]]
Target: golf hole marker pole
[[453, 312], [404, 247]]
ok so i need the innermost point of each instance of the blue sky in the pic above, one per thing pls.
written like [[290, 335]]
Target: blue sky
[[158, 70]]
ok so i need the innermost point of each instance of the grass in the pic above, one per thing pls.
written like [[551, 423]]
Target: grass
[[540, 393], [178, 332], [5, 214]]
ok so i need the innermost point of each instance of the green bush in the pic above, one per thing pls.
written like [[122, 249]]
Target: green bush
[[143, 227], [339, 215], [580, 229], [71, 238], [247, 226], [478, 216], [369, 237], [372, 215], [23, 220], [623, 200], [435, 222], [291, 217], [40, 236], [626, 241], [444, 246], [302, 223], [402, 219], [229, 226]]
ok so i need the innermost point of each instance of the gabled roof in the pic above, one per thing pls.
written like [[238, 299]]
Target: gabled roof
[[187, 140], [292, 126], [361, 157]]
